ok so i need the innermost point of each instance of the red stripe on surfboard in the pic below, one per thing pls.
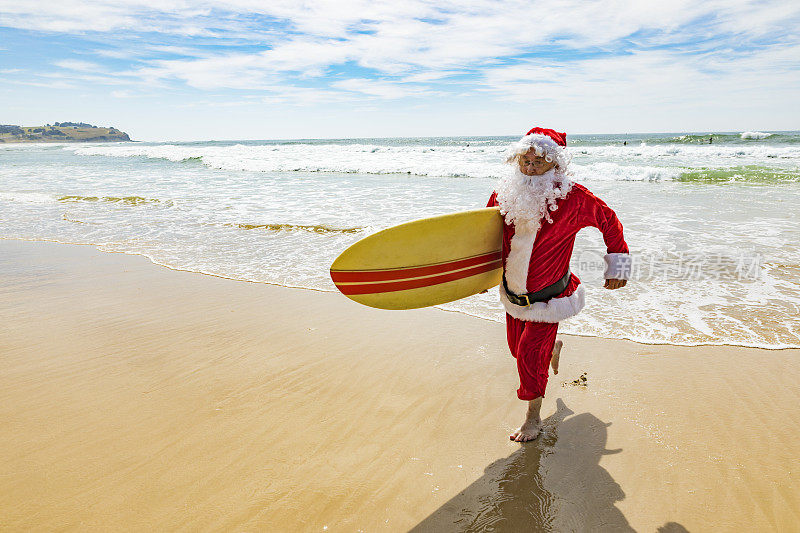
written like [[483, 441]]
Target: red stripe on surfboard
[[402, 285], [363, 276]]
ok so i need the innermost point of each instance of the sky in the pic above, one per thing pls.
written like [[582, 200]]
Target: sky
[[253, 69]]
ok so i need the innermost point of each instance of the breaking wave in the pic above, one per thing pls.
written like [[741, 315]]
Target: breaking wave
[[755, 135], [644, 161]]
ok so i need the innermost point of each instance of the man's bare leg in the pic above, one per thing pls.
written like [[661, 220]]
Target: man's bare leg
[[556, 356], [530, 429]]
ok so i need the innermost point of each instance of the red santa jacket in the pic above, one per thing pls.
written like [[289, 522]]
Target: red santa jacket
[[548, 255]]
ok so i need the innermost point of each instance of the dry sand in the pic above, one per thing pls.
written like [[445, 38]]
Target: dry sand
[[139, 398]]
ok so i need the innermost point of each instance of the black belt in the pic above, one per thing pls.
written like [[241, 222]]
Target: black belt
[[539, 296]]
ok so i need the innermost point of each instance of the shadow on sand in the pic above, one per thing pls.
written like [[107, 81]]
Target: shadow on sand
[[539, 489]]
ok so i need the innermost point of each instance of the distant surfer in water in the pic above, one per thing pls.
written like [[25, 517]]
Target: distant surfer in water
[[543, 211]]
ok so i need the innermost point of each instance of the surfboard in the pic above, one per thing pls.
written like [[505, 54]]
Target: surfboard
[[425, 262]]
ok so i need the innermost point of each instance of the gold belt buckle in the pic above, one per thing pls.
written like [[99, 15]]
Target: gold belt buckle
[[525, 297]]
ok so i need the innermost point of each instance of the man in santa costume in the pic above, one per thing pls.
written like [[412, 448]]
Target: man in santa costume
[[543, 211]]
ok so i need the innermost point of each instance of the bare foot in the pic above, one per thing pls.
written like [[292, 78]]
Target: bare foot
[[530, 429], [556, 356], [526, 432]]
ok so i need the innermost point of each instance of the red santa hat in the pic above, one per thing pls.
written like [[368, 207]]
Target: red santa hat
[[545, 142], [559, 137]]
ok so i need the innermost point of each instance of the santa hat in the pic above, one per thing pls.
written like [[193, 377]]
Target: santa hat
[[545, 142]]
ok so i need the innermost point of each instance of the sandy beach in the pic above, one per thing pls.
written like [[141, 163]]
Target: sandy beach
[[134, 397]]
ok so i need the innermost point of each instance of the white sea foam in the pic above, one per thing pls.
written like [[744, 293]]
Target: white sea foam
[[755, 135], [27, 197], [447, 161], [605, 162], [607, 171]]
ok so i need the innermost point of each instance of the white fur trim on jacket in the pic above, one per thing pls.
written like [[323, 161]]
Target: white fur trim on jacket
[[618, 266], [519, 259], [553, 310]]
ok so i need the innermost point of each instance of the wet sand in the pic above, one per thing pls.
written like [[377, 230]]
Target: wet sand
[[135, 397]]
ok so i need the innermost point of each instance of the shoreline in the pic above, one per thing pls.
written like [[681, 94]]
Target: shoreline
[[135, 396], [155, 262]]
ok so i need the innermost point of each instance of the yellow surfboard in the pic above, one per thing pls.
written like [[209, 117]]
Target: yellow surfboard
[[425, 262]]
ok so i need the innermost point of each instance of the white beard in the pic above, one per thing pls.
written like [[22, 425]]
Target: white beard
[[525, 201]]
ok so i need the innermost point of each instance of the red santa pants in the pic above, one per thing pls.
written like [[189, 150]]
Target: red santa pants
[[531, 344]]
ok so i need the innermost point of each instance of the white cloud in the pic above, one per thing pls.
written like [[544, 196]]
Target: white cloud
[[58, 84], [401, 36], [93, 78], [383, 89], [303, 96], [467, 36], [424, 77], [77, 64], [662, 75], [612, 53]]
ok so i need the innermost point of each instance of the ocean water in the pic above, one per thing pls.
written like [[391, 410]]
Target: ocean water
[[714, 228]]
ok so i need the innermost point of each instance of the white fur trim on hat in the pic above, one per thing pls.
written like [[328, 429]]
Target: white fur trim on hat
[[542, 145], [618, 266], [552, 310]]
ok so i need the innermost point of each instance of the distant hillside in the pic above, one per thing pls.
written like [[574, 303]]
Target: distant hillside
[[60, 132]]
